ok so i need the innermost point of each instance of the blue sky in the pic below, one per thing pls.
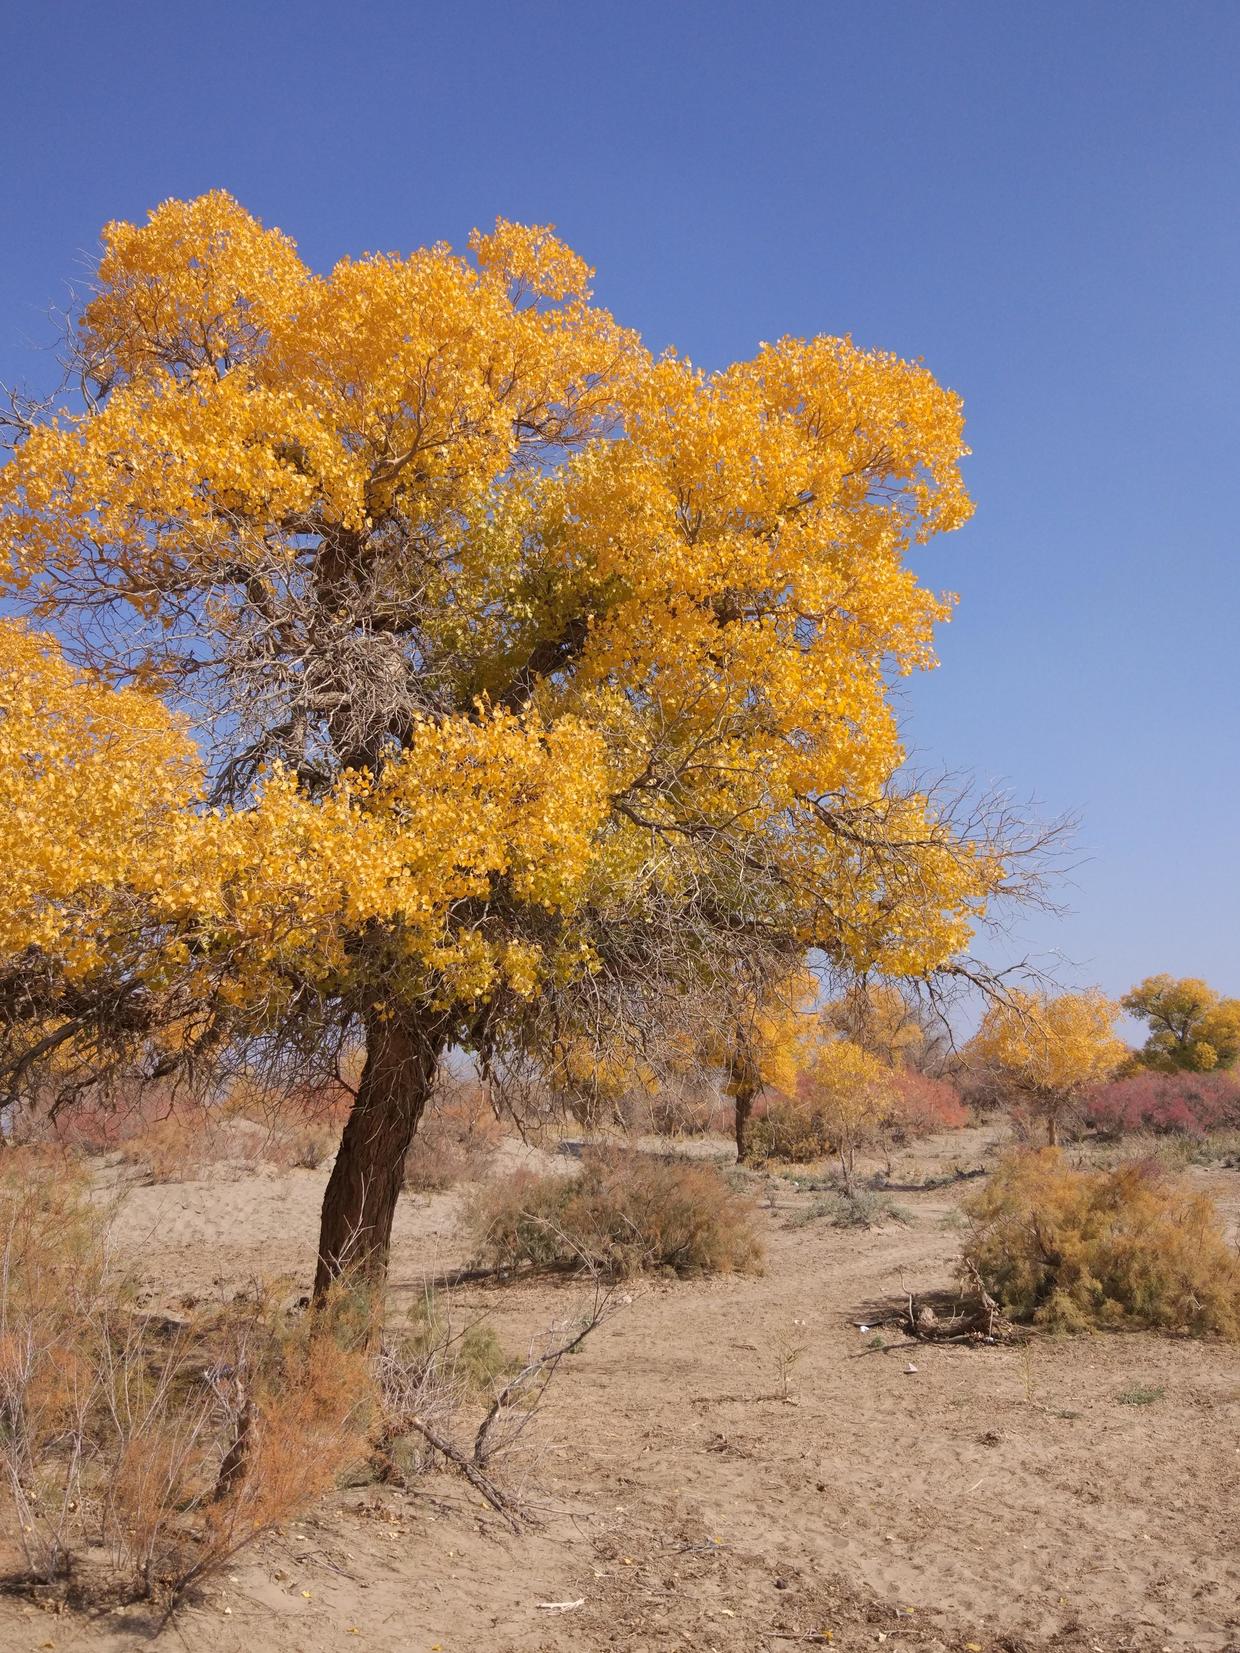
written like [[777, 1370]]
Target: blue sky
[[1041, 201]]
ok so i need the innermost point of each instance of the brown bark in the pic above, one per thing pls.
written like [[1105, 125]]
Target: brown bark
[[745, 1094], [402, 1056]]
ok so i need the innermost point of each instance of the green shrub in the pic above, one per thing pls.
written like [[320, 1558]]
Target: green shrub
[[477, 1356], [1080, 1249], [860, 1209], [625, 1213]]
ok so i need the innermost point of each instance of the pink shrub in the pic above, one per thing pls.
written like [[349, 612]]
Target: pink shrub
[[923, 1105], [1188, 1104], [95, 1125]]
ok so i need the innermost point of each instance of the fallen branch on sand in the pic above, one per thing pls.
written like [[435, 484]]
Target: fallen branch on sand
[[976, 1318]]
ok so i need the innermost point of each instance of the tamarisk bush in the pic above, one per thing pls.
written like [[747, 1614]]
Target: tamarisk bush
[[165, 1446], [1073, 1249], [1175, 1103], [626, 1213]]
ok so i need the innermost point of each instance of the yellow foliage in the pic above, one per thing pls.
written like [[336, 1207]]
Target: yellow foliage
[[844, 1099], [852, 1093], [1049, 1049], [1191, 1026], [846, 1082], [91, 779], [877, 1016], [758, 1048], [630, 609]]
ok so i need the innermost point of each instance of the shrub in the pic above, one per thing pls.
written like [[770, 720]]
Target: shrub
[[848, 1104], [310, 1144], [477, 1355], [166, 1136], [1190, 1104], [177, 1147], [922, 1105], [161, 1446], [859, 1209], [171, 1138], [455, 1140], [675, 1112], [791, 1129], [1077, 1249], [625, 1213]]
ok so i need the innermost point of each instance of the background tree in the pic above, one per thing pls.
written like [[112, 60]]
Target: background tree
[[757, 1045], [1049, 1050], [532, 682], [1192, 1027], [851, 1093]]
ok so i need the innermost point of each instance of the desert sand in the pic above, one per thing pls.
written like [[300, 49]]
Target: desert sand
[[994, 1498]]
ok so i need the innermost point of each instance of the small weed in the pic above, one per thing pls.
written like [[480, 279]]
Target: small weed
[[819, 1182], [787, 1352], [878, 1341], [856, 1210], [1140, 1394]]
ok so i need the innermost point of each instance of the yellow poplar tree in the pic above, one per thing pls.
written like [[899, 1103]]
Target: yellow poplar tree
[[881, 1019], [1049, 1049], [1192, 1028], [437, 662], [757, 1043], [850, 1093]]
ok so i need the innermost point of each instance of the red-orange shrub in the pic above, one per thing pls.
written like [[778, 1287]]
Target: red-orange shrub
[[1188, 1104], [922, 1105], [172, 1136], [116, 1429]]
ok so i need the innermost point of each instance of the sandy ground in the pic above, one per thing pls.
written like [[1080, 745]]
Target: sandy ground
[[993, 1499]]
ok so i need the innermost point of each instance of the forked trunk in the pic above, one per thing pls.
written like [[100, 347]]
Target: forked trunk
[[356, 1228]]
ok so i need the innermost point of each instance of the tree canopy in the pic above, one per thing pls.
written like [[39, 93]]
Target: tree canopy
[[1049, 1048], [1192, 1028]]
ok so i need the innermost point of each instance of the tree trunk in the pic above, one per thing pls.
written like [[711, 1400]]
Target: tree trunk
[[1052, 1129], [402, 1057], [744, 1099], [848, 1156]]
